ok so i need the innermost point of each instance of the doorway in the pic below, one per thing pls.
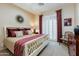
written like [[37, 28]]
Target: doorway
[[49, 24]]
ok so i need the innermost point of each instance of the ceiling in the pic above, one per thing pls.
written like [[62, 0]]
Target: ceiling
[[35, 8]]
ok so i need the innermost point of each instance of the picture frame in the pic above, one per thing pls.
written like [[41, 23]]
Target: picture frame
[[68, 22], [20, 19]]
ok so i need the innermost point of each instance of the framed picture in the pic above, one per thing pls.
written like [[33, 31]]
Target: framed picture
[[20, 19], [68, 22]]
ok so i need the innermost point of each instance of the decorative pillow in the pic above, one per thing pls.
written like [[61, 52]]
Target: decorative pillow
[[19, 33], [13, 34]]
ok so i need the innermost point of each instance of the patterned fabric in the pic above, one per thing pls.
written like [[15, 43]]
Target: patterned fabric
[[19, 45], [34, 45]]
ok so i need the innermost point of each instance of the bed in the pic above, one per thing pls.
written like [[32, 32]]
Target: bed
[[27, 45]]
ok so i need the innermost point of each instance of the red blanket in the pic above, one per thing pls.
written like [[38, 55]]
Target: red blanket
[[19, 45]]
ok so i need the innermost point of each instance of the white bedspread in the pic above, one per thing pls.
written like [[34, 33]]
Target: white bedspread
[[10, 41]]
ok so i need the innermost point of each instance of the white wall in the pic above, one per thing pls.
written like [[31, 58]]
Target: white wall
[[68, 11], [8, 13], [77, 14]]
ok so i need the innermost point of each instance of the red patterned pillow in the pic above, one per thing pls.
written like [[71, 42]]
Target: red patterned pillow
[[13, 34]]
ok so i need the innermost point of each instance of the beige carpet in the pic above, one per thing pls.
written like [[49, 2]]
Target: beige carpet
[[53, 49], [5, 52]]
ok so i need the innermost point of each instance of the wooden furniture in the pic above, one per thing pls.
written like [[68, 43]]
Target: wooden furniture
[[64, 38], [70, 41], [77, 45], [64, 41], [76, 30], [71, 45]]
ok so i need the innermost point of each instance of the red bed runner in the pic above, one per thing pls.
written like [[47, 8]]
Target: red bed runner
[[19, 45]]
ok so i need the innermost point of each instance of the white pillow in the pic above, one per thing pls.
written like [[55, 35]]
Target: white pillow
[[19, 33]]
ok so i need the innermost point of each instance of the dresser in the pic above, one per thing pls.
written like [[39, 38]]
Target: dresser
[[77, 40], [77, 45]]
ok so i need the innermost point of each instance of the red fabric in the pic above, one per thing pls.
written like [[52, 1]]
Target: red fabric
[[11, 30], [19, 45], [40, 24], [13, 34], [59, 24]]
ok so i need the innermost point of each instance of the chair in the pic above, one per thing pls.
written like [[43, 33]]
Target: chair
[[65, 37], [70, 41], [71, 44]]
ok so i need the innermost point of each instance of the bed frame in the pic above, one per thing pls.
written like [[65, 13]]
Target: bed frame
[[35, 52]]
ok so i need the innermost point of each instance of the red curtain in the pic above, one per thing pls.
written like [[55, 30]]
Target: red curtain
[[40, 24], [59, 24]]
